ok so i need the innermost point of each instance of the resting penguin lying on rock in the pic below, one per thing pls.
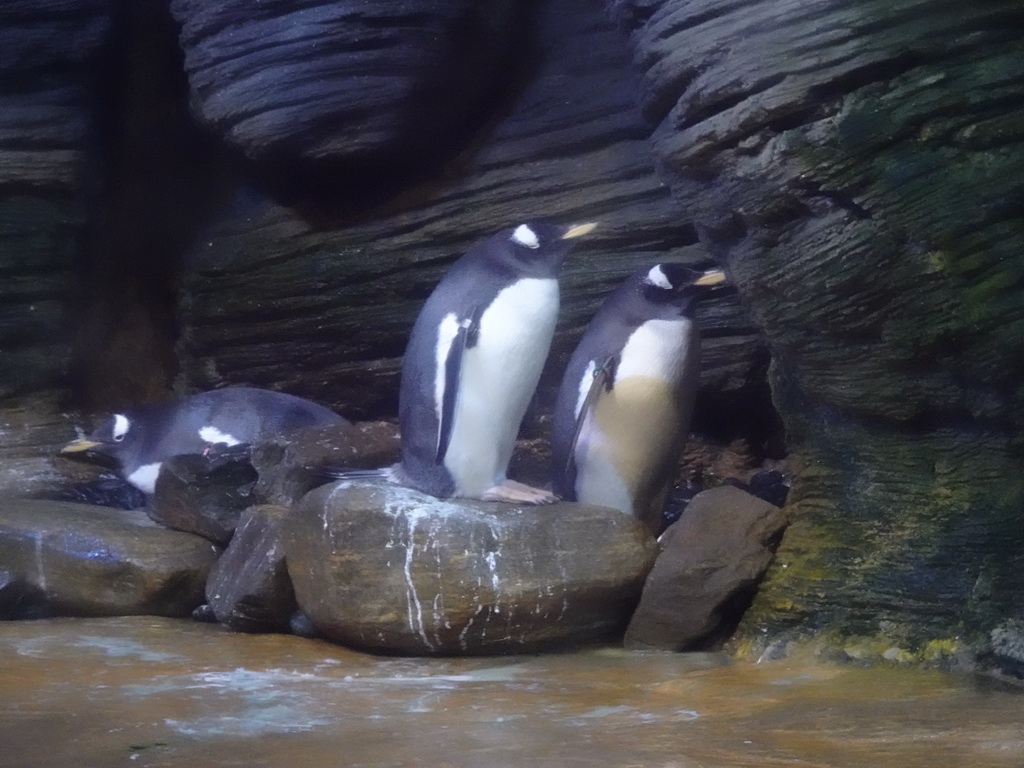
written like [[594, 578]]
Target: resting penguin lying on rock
[[142, 437], [624, 406], [473, 361]]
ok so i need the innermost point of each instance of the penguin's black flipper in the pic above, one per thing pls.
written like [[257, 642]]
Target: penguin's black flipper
[[465, 338], [603, 381]]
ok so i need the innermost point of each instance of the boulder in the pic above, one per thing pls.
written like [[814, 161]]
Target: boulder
[[340, 81], [290, 465], [70, 559], [204, 493], [249, 589], [711, 560], [391, 570]]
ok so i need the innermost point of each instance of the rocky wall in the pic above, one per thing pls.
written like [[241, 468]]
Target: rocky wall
[[858, 166]]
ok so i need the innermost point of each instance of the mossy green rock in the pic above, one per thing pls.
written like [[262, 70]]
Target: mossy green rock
[[859, 166]]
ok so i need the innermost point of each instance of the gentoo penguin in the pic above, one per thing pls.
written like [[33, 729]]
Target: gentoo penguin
[[473, 361], [624, 406], [139, 439]]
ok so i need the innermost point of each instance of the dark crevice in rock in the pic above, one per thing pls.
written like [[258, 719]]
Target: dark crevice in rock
[[161, 182]]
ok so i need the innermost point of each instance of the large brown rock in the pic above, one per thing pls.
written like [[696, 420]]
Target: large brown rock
[[711, 559], [72, 559], [392, 570], [249, 589]]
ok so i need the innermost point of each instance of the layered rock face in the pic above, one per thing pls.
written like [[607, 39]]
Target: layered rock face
[[49, 70], [318, 297], [859, 168], [316, 86]]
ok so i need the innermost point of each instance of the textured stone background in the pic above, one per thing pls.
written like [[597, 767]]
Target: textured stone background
[[192, 197]]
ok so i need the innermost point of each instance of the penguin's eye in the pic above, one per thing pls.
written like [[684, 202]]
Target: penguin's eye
[[120, 428]]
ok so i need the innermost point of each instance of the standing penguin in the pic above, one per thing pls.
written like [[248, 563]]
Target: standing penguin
[[141, 438], [623, 410], [473, 361]]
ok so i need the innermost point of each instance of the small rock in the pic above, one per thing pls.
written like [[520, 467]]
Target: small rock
[[720, 548], [204, 613], [1006, 649], [769, 485], [388, 569], [81, 560], [204, 493], [291, 465], [19, 599], [303, 626], [249, 589]]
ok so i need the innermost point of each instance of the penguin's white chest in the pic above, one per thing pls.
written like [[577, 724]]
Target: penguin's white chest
[[629, 436], [498, 377]]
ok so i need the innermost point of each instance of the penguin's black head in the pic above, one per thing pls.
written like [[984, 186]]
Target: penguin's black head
[[116, 441], [671, 289], [534, 249]]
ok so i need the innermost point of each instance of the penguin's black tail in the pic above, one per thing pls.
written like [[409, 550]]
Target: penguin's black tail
[[347, 473]]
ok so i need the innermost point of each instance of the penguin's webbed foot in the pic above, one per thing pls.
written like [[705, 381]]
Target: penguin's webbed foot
[[513, 492]]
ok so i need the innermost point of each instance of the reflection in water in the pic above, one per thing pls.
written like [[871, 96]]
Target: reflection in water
[[157, 692]]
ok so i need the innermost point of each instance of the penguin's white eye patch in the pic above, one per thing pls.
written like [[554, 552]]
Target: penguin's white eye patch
[[657, 278], [121, 425], [525, 236]]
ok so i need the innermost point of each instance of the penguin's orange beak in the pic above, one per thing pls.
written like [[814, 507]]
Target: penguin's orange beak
[[579, 230], [79, 445], [711, 277]]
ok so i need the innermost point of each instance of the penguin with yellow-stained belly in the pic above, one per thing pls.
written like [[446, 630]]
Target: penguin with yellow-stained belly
[[624, 407]]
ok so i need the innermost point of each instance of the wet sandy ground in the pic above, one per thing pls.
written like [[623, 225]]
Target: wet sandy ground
[[155, 692]]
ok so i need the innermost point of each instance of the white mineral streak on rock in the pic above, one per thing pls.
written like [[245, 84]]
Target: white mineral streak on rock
[[415, 608], [40, 569], [465, 629], [564, 576], [492, 563]]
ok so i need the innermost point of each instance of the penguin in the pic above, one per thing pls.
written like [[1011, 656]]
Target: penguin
[[472, 363], [623, 409], [139, 439]]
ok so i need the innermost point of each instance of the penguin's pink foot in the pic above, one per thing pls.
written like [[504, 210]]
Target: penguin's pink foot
[[518, 493]]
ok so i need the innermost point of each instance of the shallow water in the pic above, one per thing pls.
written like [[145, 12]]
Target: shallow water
[[157, 692]]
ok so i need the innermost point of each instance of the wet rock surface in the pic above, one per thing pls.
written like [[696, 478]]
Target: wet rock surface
[[388, 569], [176, 694], [60, 558], [711, 560], [249, 589]]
